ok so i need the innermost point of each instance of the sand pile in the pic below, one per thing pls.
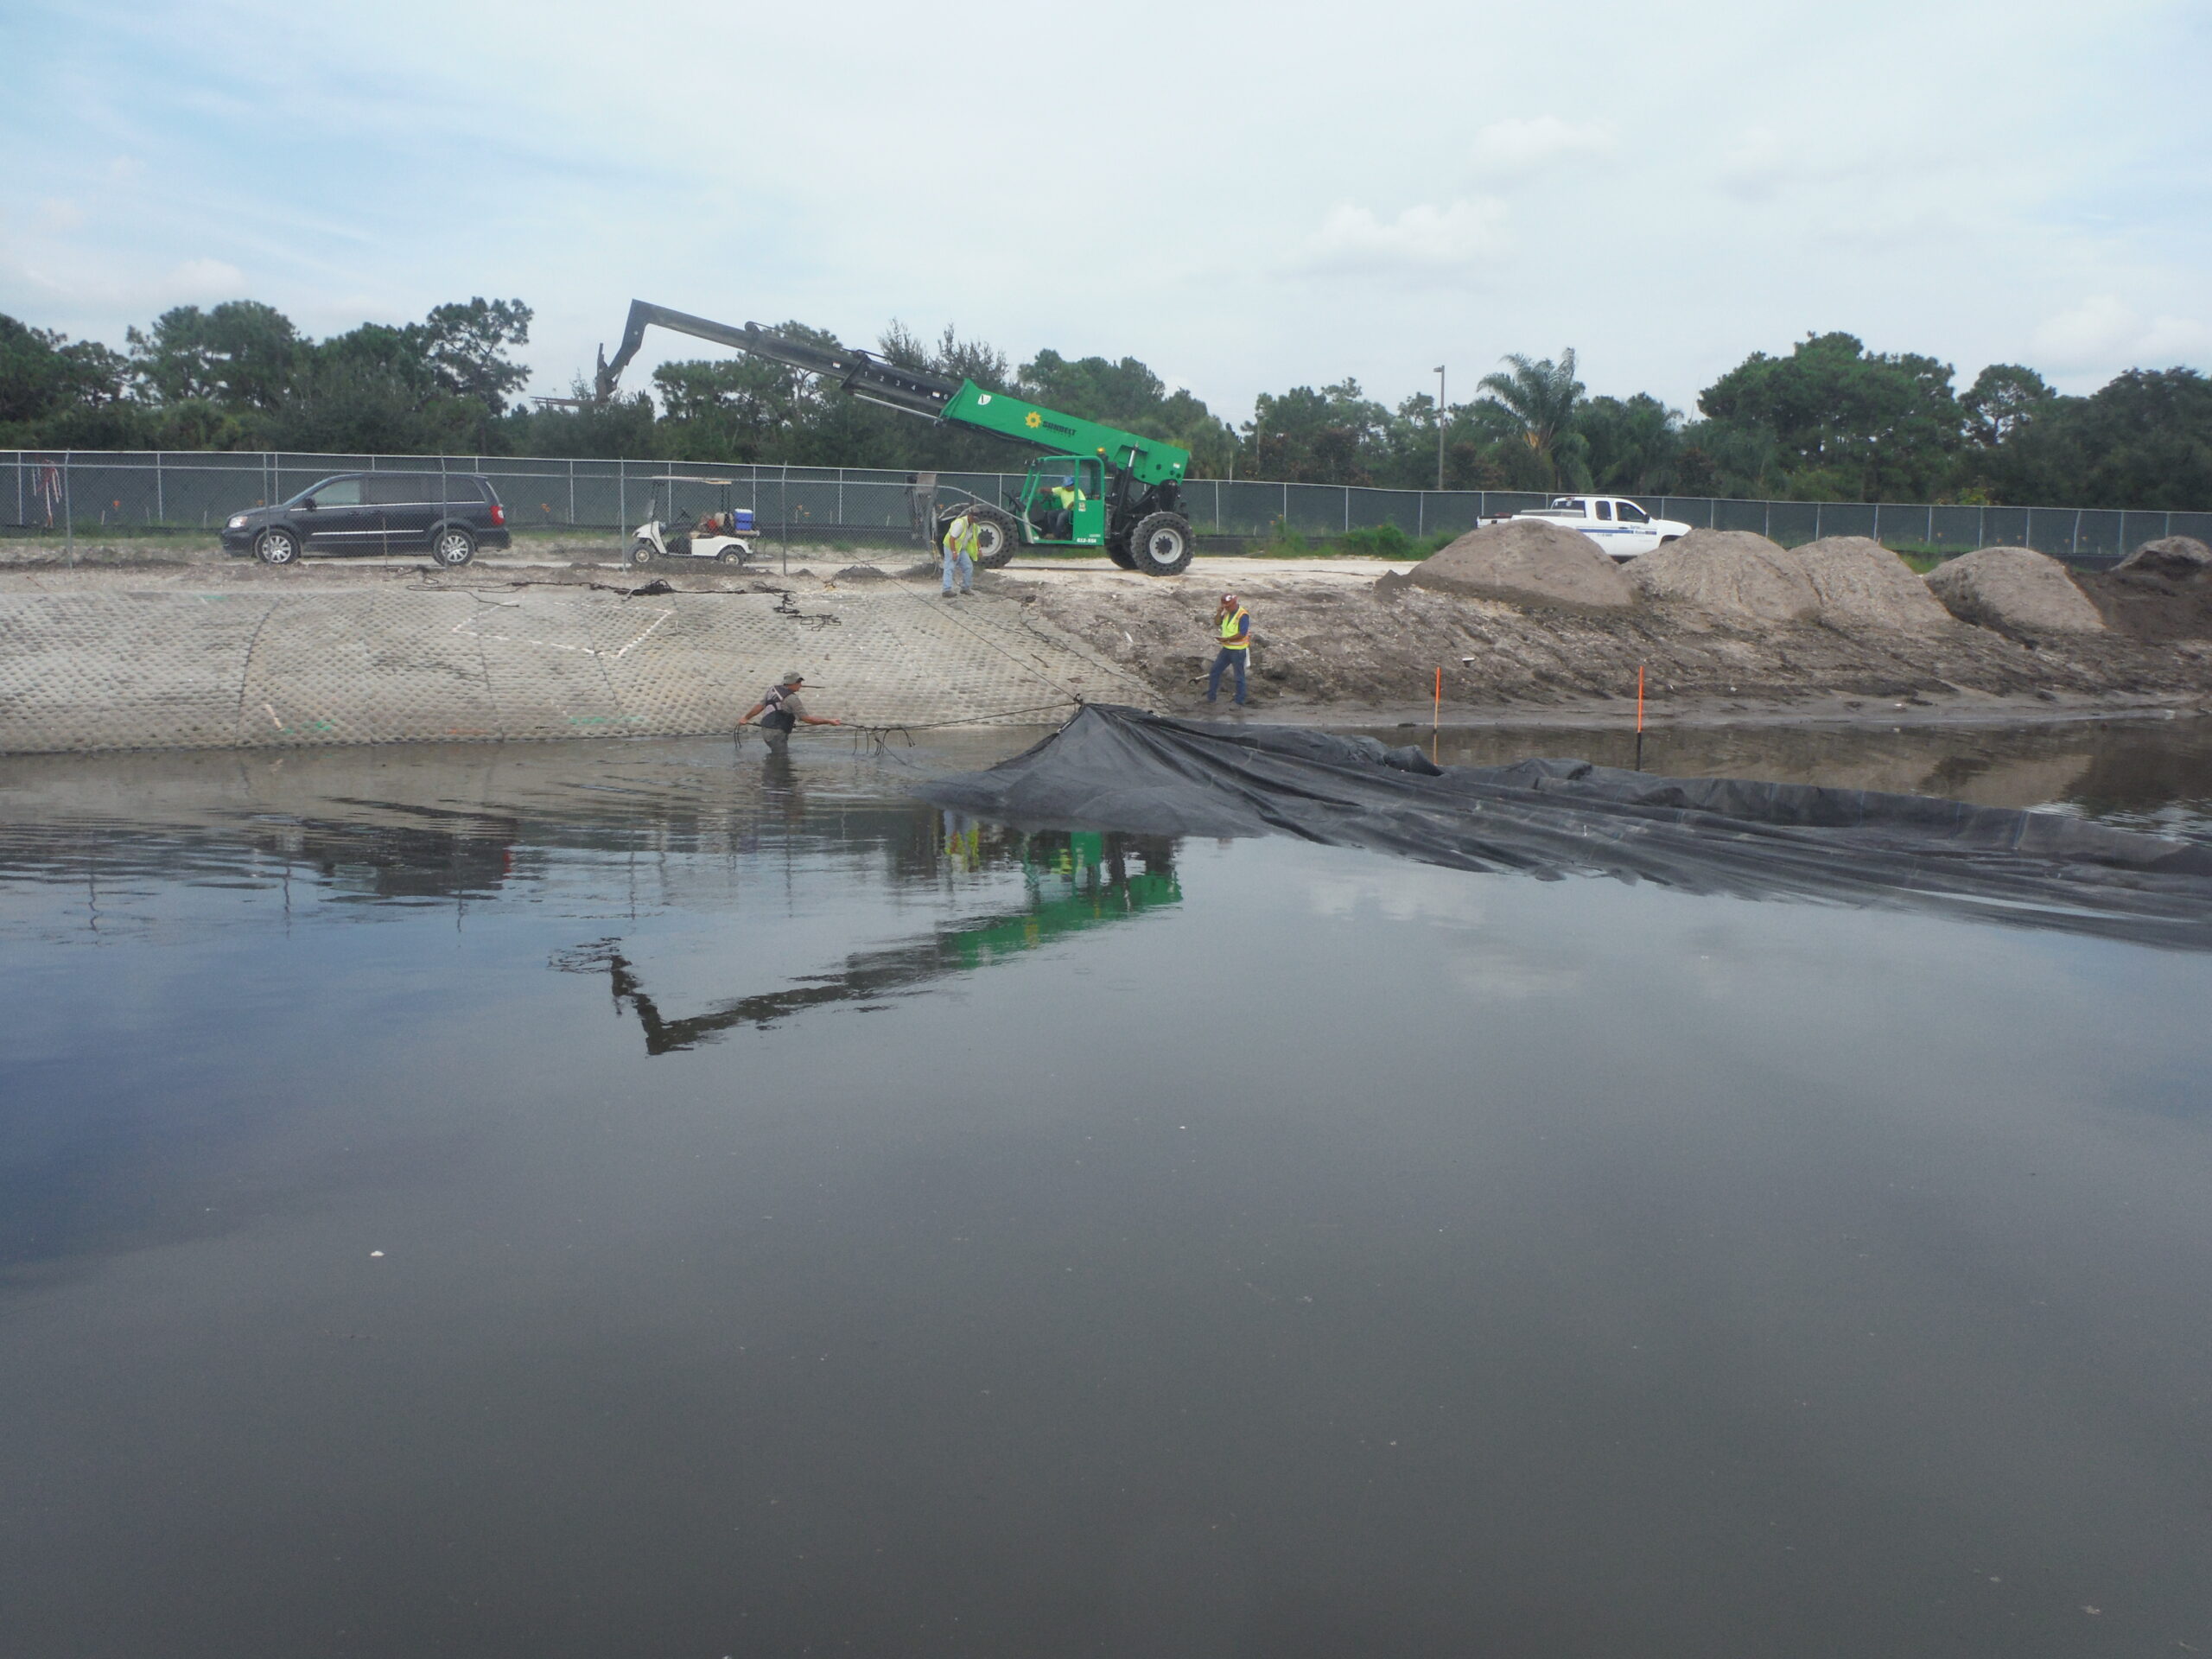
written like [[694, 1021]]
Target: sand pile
[[1732, 575], [1862, 584], [2014, 590], [2178, 557], [1529, 561], [2161, 591]]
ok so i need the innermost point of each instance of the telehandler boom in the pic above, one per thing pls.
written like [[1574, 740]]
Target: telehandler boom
[[1100, 486]]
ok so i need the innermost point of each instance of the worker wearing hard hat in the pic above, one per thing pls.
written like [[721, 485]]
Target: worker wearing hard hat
[[960, 552], [1233, 626]]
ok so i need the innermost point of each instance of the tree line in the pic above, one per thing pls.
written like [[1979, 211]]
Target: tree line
[[1827, 421]]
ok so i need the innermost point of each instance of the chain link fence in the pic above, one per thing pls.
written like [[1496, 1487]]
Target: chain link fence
[[83, 493]]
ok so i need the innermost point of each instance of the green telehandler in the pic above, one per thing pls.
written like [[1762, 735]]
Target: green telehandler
[[1100, 486]]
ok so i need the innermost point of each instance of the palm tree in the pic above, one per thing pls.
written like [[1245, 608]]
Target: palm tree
[[1542, 395]]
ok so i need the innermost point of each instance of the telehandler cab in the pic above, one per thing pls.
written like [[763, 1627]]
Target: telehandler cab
[[1101, 487]]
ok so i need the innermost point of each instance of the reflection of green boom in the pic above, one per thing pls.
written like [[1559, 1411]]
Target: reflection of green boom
[[1092, 900], [1054, 918]]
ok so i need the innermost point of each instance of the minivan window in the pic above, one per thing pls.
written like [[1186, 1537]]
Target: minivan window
[[338, 493], [397, 489]]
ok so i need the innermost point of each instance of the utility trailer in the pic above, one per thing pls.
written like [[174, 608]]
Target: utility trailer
[[1099, 488]]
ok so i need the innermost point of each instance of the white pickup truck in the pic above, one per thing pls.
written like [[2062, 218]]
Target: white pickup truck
[[1620, 528]]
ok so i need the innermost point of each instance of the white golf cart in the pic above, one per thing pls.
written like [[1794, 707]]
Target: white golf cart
[[725, 534]]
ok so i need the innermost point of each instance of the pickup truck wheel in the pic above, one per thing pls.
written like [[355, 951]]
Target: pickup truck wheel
[[1162, 544], [277, 547], [1664, 540], [454, 548], [994, 538]]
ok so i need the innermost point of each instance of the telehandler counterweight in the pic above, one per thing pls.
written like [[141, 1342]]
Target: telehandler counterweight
[[1100, 488]]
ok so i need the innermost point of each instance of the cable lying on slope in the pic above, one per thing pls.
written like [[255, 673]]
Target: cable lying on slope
[[1116, 768]]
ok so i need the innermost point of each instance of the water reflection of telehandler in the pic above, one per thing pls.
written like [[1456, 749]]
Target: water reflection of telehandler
[[1116, 491], [1076, 883]]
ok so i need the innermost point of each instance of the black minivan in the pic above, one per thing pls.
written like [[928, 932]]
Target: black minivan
[[446, 515]]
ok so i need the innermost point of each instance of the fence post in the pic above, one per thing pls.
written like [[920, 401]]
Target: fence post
[[68, 512], [161, 500], [2078, 533], [572, 492], [1930, 542], [1816, 520]]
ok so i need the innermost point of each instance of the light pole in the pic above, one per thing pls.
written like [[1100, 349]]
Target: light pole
[[1439, 426]]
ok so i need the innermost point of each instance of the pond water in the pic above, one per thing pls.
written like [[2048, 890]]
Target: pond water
[[648, 1197]]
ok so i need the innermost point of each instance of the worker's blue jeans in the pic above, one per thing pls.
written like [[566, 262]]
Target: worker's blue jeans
[[1224, 660], [966, 570]]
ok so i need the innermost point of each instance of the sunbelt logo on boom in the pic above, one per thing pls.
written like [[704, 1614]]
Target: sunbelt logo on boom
[[1033, 418]]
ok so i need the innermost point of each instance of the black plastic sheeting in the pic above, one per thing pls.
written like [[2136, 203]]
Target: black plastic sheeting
[[1116, 768]]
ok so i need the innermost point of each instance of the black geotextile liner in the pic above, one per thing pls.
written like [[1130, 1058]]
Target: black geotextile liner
[[1114, 768]]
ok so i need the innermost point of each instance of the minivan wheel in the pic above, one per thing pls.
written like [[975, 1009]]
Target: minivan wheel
[[276, 547], [453, 547]]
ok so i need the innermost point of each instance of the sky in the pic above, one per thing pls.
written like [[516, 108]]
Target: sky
[[1247, 197]]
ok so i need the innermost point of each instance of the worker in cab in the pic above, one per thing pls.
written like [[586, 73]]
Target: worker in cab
[[1233, 626], [960, 551], [1066, 497]]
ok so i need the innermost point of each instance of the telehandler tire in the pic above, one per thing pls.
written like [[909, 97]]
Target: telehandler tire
[[1118, 550], [1162, 544], [996, 539]]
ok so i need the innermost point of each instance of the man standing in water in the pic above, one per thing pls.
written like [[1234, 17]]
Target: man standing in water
[[781, 710], [1233, 623]]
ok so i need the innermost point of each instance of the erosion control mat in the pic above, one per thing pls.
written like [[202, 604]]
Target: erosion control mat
[[1114, 768]]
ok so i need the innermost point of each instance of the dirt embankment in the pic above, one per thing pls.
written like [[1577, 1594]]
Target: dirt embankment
[[1331, 647]]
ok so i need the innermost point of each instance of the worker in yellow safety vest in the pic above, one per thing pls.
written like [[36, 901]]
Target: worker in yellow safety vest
[[960, 552], [1233, 623], [1066, 499]]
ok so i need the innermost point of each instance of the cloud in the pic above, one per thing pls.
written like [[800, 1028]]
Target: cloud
[[2104, 333], [204, 279], [1465, 232], [1515, 148]]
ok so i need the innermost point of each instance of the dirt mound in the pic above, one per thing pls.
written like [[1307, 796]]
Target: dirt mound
[[2177, 557], [2014, 590], [1527, 562], [1732, 575], [2161, 591], [860, 573], [1862, 584]]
